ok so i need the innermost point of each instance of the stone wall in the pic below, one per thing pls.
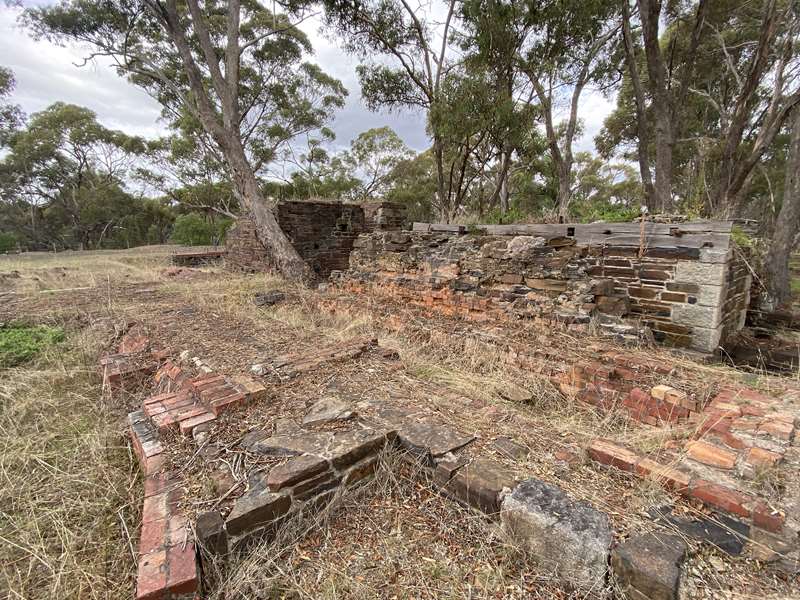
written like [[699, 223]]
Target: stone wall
[[322, 232], [683, 282]]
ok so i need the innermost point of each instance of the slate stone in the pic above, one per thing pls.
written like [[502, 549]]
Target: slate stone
[[515, 393], [431, 440], [348, 447], [446, 467], [729, 536], [211, 534], [317, 485], [650, 566], [564, 535], [479, 484], [294, 444], [295, 470], [362, 469], [254, 509], [268, 298], [250, 438], [511, 449], [328, 410]]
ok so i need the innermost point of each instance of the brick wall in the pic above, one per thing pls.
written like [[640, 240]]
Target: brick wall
[[684, 285], [322, 232]]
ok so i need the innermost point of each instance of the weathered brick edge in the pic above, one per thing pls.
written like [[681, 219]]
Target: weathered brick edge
[[767, 526], [167, 557]]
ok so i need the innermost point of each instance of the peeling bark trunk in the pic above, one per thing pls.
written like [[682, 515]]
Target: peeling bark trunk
[[776, 262], [642, 127], [226, 134]]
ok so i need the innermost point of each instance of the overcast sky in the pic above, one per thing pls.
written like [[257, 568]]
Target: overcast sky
[[46, 73]]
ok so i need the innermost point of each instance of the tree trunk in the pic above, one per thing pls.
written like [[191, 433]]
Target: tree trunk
[[650, 13], [226, 134], [564, 191], [776, 262], [441, 193], [269, 233], [642, 127]]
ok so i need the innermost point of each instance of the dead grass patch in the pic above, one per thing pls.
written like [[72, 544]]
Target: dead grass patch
[[68, 493]]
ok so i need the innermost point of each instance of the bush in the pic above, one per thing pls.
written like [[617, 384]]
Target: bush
[[20, 343], [8, 241], [193, 230]]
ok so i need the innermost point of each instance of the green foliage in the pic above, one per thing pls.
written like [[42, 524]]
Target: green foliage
[[8, 241], [741, 238], [20, 343], [193, 230], [512, 215]]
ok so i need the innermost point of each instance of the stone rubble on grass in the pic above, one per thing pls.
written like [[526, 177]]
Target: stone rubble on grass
[[268, 298], [650, 566], [563, 535]]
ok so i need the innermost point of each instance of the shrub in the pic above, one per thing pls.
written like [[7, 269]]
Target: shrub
[[20, 343], [8, 241], [193, 230]]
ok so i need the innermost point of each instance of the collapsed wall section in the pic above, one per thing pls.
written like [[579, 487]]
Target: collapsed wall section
[[322, 233], [685, 283]]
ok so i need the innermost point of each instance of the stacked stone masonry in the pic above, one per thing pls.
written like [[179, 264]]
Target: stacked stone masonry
[[322, 233], [687, 284]]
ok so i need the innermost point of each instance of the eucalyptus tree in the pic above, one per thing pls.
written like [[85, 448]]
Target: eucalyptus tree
[[406, 57], [10, 114], [234, 67], [547, 51], [64, 165]]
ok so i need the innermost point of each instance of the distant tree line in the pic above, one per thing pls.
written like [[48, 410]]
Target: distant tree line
[[706, 122]]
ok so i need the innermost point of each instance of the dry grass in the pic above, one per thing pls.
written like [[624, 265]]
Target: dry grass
[[68, 489]]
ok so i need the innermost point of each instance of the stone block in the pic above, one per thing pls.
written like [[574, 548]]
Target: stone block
[[295, 470], [651, 565], [480, 485], [328, 410], [706, 339], [256, 508], [432, 440], [348, 447], [713, 255], [689, 271], [564, 535], [446, 467], [696, 315], [211, 533], [510, 449]]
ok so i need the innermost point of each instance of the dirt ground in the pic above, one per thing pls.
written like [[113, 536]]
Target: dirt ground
[[405, 541]]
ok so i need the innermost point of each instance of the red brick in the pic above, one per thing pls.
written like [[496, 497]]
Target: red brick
[[721, 497], [225, 404], [153, 536], [156, 507], [766, 518], [667, 476], [159, 483], [182, 575], [760, 459], [711, 455], [154, 464], [151, 579], [778, 429], [187, 425], [607, 453]]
